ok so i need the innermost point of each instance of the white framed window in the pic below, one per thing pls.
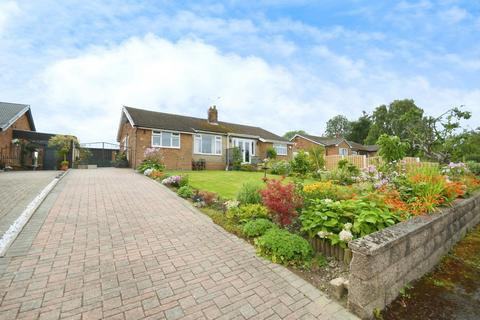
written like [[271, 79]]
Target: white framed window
[[343, 151], [207, 144], [281, 149], [166, 139]]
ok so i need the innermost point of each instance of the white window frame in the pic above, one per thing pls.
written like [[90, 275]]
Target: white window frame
[[172, 133], [214, 144], [343, 151], [125, 146], [281, 146]]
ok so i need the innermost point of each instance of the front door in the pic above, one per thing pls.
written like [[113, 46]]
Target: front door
[[247, 148]]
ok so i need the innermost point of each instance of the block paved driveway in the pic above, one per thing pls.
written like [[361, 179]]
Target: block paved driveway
[[17, 190], [116, 245]]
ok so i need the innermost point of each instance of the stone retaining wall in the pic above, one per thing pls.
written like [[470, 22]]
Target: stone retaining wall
[[385, 261]]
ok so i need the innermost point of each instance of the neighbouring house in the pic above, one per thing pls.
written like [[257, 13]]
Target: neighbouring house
[[333, 146], [21, 146], [185, 141]]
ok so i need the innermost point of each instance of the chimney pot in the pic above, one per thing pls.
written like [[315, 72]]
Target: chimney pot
[[213, 115]]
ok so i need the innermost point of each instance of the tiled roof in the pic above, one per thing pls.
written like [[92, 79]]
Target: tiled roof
[[10, 112], [168, 121], [335, 141], [323, 140]]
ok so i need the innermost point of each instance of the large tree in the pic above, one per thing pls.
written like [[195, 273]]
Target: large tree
[[290, 134], [399, 118], [338, 126], [438, 138], [359, 128]]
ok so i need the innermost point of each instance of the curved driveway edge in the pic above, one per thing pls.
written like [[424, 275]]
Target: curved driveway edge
[[117, 246]]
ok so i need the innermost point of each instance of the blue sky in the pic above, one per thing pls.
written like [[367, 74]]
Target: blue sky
[[281, 65]]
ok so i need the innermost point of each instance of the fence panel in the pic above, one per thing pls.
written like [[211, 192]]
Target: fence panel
[[361, 162], [331, 162], [10, 156]]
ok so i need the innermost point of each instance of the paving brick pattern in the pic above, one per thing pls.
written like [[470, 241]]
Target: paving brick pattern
[[116, 245], [17, 190]]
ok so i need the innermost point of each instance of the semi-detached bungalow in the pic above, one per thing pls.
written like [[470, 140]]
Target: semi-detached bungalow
[[186, 140], [333, 146]]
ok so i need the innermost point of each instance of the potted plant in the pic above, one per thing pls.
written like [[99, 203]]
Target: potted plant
[[64, 165], [63, 144]]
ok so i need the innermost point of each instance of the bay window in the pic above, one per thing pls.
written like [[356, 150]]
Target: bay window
[[165, 139], [281, 149], [207, 144]]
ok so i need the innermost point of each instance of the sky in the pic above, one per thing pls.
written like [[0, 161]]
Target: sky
[[281, 65]]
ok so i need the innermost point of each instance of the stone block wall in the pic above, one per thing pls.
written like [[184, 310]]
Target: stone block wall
[[385, 261]]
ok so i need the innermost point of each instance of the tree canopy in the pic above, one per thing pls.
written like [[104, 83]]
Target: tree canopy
[[290, 134], [438, 138], [338, 126]]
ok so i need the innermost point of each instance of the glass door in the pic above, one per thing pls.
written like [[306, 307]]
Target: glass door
[[246, 148]]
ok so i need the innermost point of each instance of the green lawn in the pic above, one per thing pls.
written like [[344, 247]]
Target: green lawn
[[225, 183]]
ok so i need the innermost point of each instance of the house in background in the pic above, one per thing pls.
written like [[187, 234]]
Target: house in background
[[333, 146], [187, 140], [21, 146], [14, 116]]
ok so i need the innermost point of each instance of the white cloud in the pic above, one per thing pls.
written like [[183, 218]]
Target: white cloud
[[454, 15], [84, 95], [8, 10]]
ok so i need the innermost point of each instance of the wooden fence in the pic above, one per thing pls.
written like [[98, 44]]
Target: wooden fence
[[324, 247], [10, 156], [362, 161]]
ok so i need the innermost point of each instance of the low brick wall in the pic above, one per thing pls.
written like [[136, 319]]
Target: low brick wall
[[385, 261]]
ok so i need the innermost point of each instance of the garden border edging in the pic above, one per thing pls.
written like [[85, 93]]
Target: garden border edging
[[385, 261]]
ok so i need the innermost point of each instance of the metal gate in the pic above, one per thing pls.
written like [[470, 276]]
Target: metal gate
[[101, 153]]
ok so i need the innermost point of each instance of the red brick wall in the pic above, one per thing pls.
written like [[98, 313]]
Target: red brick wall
[[334, 150], [6, 136], [302, 144], [262, 151]]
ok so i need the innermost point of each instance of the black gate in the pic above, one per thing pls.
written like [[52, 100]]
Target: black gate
[[50, 159], [101, 154]]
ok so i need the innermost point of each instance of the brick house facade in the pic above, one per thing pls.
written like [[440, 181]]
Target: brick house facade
[[191, 139], [333, 146], [13, 117]]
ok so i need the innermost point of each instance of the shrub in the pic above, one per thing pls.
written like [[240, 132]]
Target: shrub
[[271, 153], [247, 212], [474, 167], [316, 156], [301, 164], [321, 190], [345, 174], [175, 181], [248, 167], [258, 227], [157, 175], [207, 197], [220, 219], [236, 158], [391, 148], [153, 159], [120, 160], [230, 204], [249, 193], [284, 247], [281, 167], [282, 200], [185, 192], [356, 217]]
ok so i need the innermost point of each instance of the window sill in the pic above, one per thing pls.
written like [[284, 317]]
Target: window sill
[[162, 147]]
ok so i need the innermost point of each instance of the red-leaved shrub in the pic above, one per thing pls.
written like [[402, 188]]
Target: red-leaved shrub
[[282, 200]]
